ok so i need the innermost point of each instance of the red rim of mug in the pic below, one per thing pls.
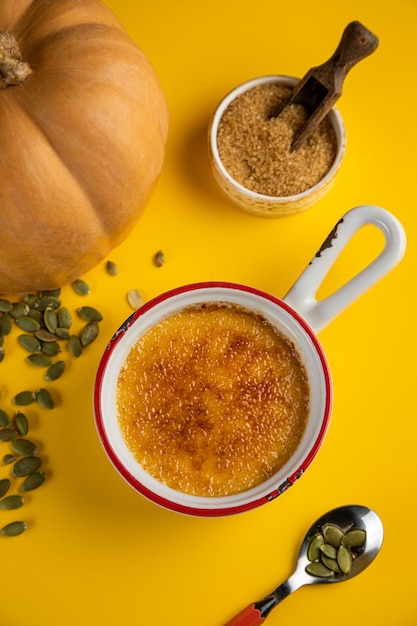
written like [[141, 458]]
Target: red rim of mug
[[175, 506]]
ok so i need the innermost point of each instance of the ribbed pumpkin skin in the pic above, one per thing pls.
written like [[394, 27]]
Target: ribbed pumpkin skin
[[82, 141]]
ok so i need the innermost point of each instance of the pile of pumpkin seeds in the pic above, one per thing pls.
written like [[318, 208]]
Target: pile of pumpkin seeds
[[331, 551], [45, 324]]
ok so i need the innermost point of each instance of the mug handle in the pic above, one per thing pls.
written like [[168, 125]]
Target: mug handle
[[302, 294]]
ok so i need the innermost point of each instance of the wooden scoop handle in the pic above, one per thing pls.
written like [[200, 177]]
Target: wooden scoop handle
[[356, 43]]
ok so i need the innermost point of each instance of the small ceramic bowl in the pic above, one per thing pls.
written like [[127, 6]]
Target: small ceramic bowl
[[258, 203]]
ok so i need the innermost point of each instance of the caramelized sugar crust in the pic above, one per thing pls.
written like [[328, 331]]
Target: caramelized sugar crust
[[213, 400]]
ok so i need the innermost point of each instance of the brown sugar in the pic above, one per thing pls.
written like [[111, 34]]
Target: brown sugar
[[255, 147], [213, 400]]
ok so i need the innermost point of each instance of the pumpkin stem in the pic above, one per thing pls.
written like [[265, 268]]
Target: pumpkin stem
[[13, 69]]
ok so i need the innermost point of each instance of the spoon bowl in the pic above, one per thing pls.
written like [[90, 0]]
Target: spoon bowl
[[346, 518]]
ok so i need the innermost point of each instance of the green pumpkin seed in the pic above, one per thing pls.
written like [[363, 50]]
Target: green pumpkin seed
[[51, 348], [159, 258], [47, 302], [54, 371], [28, 324], [29, 343], [317, 568], [13, 529], [23, 398], [328, 550], [24, 447], [1, 340], [4, 419], [19, 309], [8, 458], [134, 298], [75, 346], [4, 486], [354, 538], [62, 333], [333, 534], [30, 299], [55, 293], [26, 466], [36, 315], [344, 559], [11, 503], [89, 333], [33, 481], [5, 324], [2, 354], [81, 287], [64, 318], [7, 434], [332, 564], [45, 336], [21, 423], [44, 399], [39, 360], [313, 550], [5, 306], [90, 314], [112, 268], [50, 319]]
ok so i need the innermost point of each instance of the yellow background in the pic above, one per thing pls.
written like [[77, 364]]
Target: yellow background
[[95, 552]]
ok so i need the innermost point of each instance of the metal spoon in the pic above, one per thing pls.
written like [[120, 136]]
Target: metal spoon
[[346, 517]]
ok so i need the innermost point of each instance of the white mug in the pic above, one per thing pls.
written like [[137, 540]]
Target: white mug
[[299, 316]]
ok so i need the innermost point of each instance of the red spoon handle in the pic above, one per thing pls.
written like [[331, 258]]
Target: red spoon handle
[[250, 616]]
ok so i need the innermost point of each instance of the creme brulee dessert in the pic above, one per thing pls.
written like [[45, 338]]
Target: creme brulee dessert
[[213, 400]]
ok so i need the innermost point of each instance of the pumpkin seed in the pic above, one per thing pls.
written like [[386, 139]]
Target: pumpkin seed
[[29, 343], [13, 529], [30, 299], [4, 486], [26, 466], [344, 559], [44, 335], [159, 258], [331, 564], [354, 538], [328, 550], [39, 360], [333, 534], [28, 324], [5, 324], [90, 314], [24, 447], [75, 346], [1, 340], [11, 502], [8, 458], [23, 398], [51, 348], [36, 315], [5, 306], [62, 333], [44, 399], [47, 302], [50, 319], [55, 293], [81, 287], [89, 333], [2, 354], [4, 419], [313, 551], [19, 309], [7, 434], [112, 268], [134, 298], [64, 318], [317, 568], [33, 481], [55, 370], [21, 423]]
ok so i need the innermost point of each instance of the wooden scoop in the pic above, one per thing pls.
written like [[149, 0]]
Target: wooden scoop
[[322, 85]]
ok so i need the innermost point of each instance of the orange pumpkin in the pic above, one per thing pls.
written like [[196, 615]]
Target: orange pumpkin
[[83, 127]]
